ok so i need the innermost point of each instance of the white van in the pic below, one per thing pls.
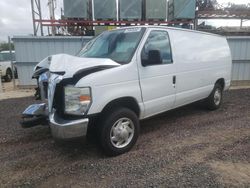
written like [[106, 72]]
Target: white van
[[127, 75]]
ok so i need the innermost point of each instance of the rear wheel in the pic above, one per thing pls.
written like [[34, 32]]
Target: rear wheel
[[119, 131], [213, 102], [8, 76]]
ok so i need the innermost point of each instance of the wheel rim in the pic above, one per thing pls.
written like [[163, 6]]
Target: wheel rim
[[217, 97], [122, 132]]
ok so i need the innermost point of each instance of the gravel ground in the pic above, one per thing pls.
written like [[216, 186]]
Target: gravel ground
[[188, 147], [8, 91]]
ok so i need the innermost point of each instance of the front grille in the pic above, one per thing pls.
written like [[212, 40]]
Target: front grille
[[54, 80]]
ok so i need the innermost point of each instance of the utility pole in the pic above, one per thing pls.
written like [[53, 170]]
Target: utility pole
[[51, 4], [12, 66], [36, 15]]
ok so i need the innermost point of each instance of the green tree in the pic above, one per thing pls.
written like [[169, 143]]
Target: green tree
[[5, 46]]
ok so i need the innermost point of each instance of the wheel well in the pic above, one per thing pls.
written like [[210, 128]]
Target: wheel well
[[221, 81], [128, 102]]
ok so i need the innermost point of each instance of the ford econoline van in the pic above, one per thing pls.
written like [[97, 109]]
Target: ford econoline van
[[126, 75]]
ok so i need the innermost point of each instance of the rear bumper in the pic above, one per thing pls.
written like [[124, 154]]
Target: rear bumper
[[68, 129]]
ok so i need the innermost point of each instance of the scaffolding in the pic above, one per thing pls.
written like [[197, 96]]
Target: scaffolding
[[64, 24], [36, 15]]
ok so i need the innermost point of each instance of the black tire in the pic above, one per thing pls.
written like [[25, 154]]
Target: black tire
[[109, 121], [214, 101], [8, 76]]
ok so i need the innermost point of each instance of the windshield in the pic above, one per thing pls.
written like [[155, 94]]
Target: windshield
[[5, 56], [118, 45]]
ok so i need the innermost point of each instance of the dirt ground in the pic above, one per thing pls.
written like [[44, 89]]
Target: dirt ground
[[8, 91], [187, 147]]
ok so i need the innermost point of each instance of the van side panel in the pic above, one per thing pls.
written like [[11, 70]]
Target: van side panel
[[201, 60]]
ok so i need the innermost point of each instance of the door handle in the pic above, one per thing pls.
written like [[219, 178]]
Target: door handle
[[174, 80]]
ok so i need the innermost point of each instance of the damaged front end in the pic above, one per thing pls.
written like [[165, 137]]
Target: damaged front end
[[64, 106], [50, 111], [37, 114]]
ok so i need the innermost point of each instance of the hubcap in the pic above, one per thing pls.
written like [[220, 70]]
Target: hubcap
[[217, 97], [122, 132]]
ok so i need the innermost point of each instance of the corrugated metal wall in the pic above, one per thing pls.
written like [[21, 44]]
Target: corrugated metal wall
[[240, 49], [31, 50]]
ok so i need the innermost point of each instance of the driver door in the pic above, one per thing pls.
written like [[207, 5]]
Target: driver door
[[158, 80]]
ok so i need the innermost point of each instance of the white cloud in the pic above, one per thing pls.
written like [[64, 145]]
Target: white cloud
[[16, 18]]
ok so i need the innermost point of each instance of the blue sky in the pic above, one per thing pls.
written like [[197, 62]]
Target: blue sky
[[15, 16]]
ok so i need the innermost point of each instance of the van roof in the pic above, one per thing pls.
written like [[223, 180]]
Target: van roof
[[172, 28]]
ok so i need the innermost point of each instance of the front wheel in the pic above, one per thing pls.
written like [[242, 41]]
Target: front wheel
[[119, 132], [213, 102], [8, 76]]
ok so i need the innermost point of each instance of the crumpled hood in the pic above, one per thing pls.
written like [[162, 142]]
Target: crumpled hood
[[71, 64]]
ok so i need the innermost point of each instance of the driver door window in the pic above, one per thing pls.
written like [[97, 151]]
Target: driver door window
[[158, 40]]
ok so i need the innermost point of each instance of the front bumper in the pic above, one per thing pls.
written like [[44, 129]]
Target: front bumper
[[68, 129], [61, 128]]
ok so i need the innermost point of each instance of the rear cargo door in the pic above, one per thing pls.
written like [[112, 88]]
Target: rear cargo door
[[157, 81]]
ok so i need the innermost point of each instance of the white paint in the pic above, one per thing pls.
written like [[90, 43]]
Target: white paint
[[4, 65], [199, 60], [71, 64]]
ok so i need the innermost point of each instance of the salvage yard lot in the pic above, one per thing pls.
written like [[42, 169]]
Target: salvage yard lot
[[185, 147]]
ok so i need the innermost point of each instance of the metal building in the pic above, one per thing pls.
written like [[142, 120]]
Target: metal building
[[240, 49], [31, 50]]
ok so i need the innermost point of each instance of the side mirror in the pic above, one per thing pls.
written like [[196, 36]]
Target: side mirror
[[154, 58]]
